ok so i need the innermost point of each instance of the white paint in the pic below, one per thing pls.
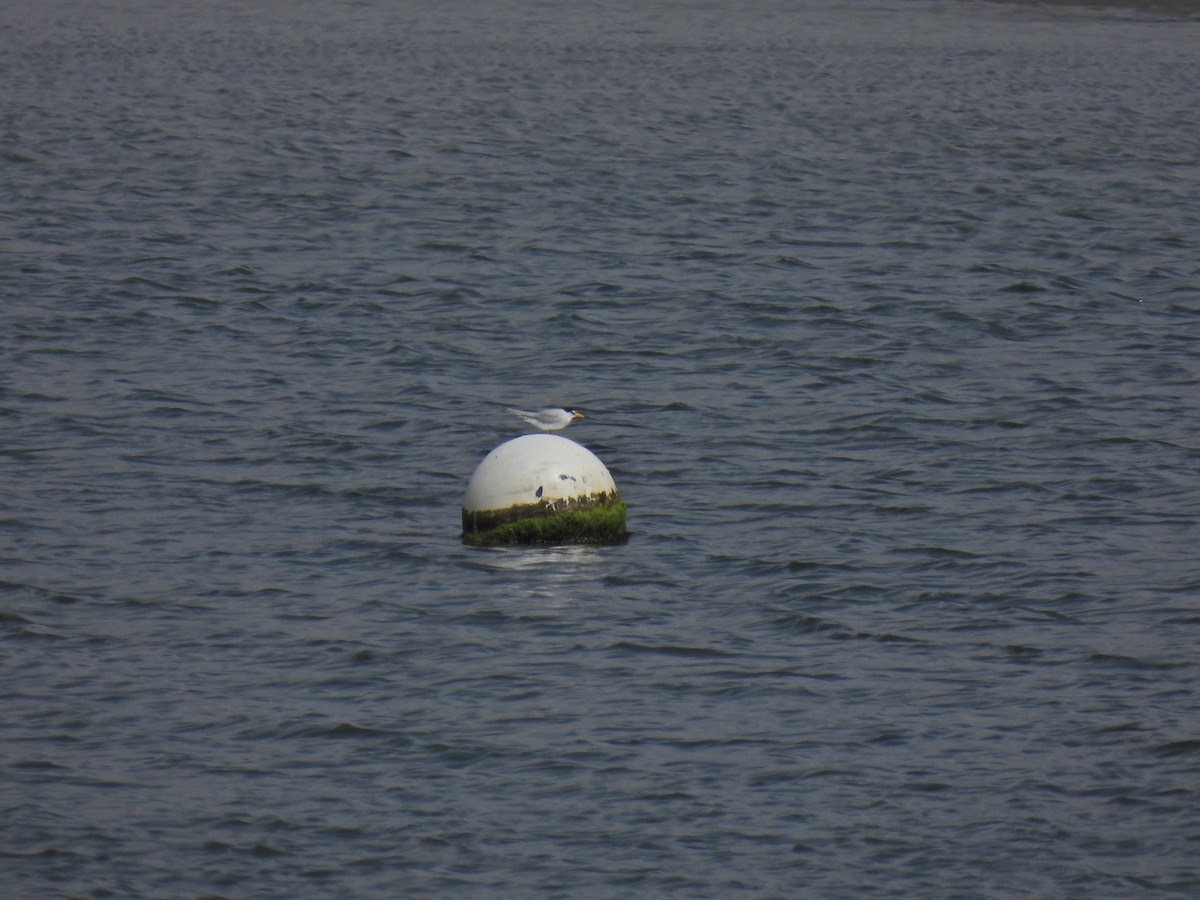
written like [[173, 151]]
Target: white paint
[[512, 474]]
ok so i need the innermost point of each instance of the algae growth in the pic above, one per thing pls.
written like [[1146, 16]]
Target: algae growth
[[594, 524]]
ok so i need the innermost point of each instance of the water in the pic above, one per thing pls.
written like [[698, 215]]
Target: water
[[884, 317]]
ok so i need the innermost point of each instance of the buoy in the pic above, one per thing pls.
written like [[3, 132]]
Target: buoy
[[542, 489]]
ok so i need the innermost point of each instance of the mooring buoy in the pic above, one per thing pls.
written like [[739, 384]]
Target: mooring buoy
[[542, 489]]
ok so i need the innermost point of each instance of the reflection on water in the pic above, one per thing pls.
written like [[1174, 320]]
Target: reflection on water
[[550, 575]]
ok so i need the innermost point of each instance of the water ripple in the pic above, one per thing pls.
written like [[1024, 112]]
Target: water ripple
[[882, 320]]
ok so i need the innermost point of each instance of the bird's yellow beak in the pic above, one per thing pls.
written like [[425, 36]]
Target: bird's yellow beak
[[578, 415]]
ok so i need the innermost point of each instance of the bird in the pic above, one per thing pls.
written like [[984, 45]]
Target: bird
[[552, 418]]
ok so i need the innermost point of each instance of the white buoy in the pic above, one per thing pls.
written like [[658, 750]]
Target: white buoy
[[542, 489]]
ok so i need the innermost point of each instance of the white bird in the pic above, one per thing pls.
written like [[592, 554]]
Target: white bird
[[552, 418]]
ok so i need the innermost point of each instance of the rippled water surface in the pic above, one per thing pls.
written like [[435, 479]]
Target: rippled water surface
[[884, 316]]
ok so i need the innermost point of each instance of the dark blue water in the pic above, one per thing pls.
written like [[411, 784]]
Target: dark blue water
[[885, 318]]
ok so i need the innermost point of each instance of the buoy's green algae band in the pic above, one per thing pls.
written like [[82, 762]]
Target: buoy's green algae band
[[542, 489]]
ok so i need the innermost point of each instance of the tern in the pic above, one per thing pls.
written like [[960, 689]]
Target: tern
[[552, 418]]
